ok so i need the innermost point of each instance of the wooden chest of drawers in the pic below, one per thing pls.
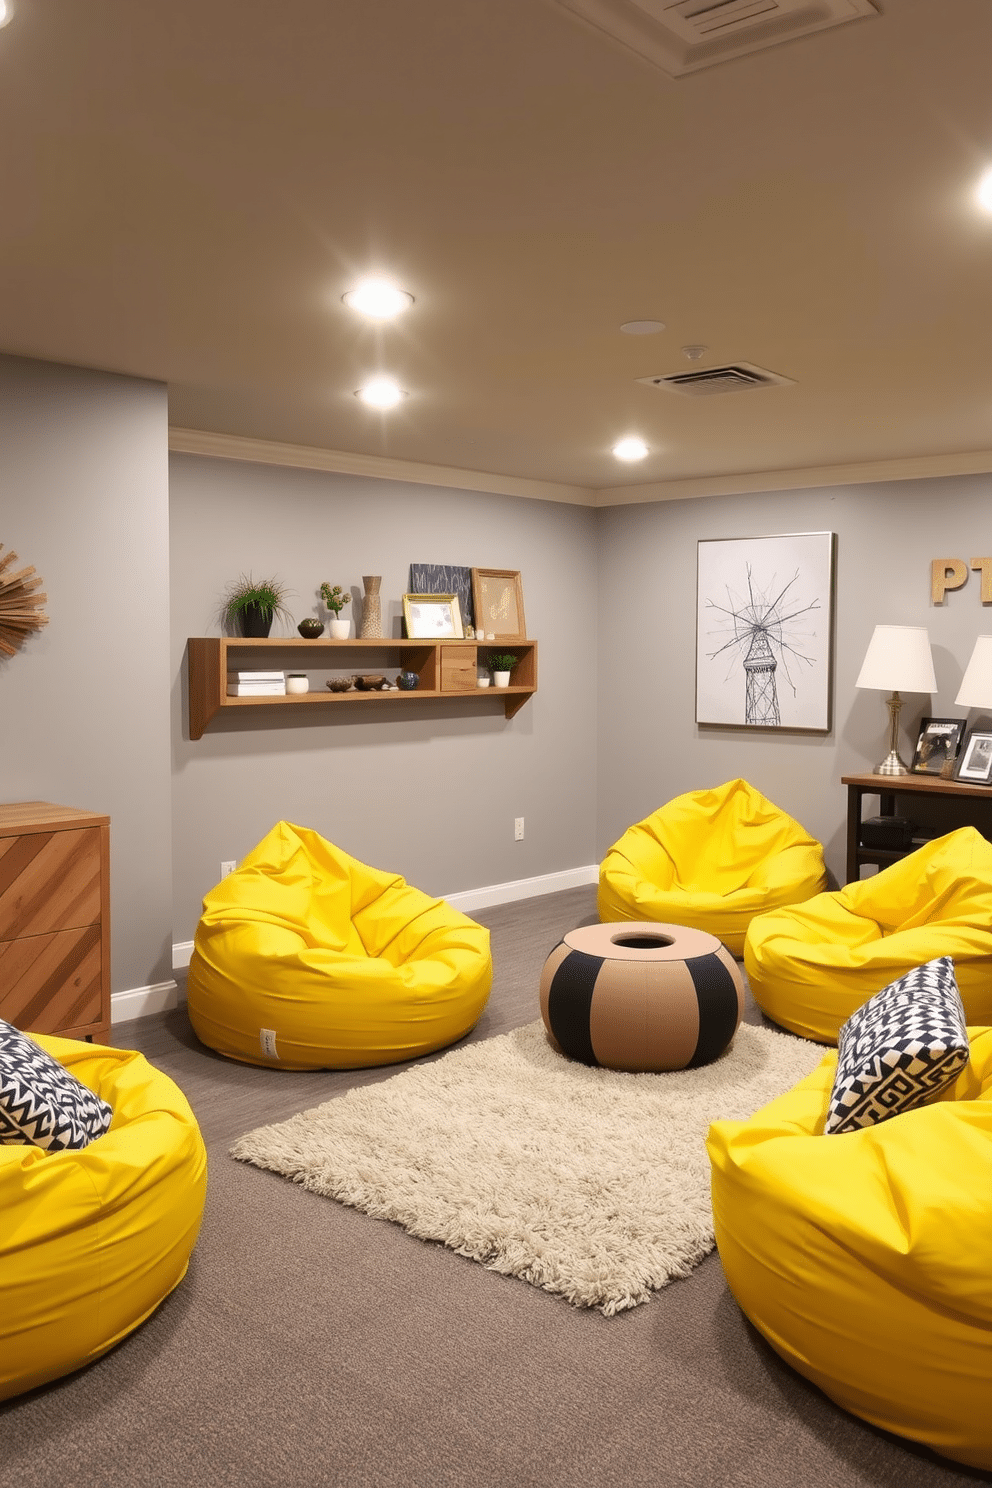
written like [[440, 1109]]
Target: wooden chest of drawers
[[55, 920]]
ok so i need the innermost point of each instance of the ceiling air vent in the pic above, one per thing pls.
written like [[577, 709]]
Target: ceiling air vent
[[681, 36], [709, 380]]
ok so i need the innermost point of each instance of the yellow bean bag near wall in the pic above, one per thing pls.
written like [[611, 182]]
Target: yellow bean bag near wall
[[711, 859], [865, 1259], [811, 966], [91, 1241], [306, 958]]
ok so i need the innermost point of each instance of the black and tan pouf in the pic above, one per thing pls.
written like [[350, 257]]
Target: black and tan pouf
[[640, 996]]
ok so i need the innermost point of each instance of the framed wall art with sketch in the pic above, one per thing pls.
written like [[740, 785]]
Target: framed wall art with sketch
[[764, 631]]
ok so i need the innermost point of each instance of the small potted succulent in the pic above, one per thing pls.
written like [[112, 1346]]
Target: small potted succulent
[[501, 664], [335, 599], [254, 603]]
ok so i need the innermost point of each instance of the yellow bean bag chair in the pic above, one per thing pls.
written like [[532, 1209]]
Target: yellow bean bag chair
[[809, 967], [92, 1240], [306, 958], [865, 1259], [712, 859]]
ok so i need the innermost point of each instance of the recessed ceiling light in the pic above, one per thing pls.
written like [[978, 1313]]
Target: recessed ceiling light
[[630, 448], [376, 298], [983, 192], [381, 392], [6, 11], [642, 327]]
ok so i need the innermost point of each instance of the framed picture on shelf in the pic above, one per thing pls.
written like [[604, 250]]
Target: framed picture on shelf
[[976, 762], [429, 616], [445, 578], [498, 599], [938, 745], [764, 631]]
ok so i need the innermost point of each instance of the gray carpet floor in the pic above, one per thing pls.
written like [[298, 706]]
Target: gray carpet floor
[[311, 1345]]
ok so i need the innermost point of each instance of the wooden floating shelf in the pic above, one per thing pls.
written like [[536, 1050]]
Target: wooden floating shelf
[[446, 668]]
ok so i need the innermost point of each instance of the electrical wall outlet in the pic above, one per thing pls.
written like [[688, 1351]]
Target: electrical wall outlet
[[518, 829], [226, 868]]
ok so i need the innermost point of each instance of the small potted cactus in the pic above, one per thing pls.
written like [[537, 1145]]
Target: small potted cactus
[[335, 599]]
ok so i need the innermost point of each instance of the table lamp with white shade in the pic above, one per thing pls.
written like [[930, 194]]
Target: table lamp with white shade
[[976, 684], [898, 658]]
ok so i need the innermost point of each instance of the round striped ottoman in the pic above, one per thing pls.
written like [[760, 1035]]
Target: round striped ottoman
[[641, 996]]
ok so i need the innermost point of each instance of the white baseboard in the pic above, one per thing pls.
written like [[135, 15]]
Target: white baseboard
[[469, 899], [523, 888], [181, 953], [140, 1001]]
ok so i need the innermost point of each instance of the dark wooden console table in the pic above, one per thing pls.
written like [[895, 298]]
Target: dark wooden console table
[[946, 803]]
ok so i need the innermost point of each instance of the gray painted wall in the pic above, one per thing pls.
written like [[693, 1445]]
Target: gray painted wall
[[429, 791], [85, 711], [650, 748]]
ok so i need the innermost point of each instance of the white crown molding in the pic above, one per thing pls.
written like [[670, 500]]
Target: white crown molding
[[381, 467], [864, 472]]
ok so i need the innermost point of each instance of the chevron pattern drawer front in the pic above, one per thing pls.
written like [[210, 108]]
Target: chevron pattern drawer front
[[49, 881], [51, 982], [54, 920]]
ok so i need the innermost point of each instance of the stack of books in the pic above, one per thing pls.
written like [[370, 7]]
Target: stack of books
[[256, 684]]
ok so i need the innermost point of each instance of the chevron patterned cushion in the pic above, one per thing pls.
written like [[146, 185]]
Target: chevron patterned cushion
[[900, 1048], [42, 1104]]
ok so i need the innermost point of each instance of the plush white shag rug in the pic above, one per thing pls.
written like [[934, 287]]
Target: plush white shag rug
[[586, 1182]]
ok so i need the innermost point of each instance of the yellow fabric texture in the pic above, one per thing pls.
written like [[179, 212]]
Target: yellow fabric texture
[[92, 1241], [711, 859], [347, 965], [866, 1259], [810, 967]]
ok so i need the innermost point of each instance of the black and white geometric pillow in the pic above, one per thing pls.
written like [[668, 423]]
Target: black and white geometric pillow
[[901, 1048], [41, 1103]]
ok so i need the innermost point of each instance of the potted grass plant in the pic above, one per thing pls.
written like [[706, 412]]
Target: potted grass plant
[[253, 604], [501, 664]]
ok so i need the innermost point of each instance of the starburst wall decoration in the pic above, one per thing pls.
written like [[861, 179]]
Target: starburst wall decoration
[[20, 603]]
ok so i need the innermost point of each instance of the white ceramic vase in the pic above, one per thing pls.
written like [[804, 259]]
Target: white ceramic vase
[[339, 629], [297, 682], [501, 679]]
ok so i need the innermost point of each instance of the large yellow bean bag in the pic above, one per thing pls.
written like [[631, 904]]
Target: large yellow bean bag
[[866, 1259], [306, 958], [92, 1240], [712, 859], [809, 967]]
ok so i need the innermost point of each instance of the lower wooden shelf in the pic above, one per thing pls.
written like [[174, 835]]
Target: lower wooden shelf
[[951, 803], [446, 668]]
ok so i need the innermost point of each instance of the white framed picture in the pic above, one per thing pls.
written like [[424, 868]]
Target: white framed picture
[[764, 631], [976, 762]]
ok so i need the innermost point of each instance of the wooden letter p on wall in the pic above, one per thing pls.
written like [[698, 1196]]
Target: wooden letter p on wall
[[947, 573]]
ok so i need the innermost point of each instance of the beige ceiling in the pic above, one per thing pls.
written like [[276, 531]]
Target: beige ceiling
[[189, 187]]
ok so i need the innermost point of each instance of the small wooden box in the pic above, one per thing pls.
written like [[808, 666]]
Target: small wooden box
[[458, 669], [55, 919]]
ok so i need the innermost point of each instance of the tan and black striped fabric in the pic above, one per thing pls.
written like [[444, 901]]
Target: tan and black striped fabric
[[641, 996]]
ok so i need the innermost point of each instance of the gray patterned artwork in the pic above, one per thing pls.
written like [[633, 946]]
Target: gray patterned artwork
[[442, 578]]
